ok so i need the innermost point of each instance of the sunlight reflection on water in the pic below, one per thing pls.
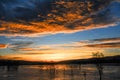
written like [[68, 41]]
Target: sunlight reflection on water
[[58, 72]]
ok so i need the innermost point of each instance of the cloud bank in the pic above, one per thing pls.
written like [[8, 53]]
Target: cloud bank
[[40, 17]]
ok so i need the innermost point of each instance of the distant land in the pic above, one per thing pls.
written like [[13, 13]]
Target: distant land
[[110, 60]]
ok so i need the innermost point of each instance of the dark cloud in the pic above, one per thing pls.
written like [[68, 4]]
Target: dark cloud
[[29, 9], [20, 45], [105, 45], [102, 40], [107, 39], [22, 9], [27, 17], [95, 43]]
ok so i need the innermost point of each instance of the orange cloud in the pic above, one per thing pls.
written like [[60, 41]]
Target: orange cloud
[[43, 28], [26, 49], [65, 17], [1, 29], [2, 46]]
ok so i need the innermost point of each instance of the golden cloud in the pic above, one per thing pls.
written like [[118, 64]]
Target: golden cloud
[[2, 46], [42, 28], [26, 49], [65, 17]]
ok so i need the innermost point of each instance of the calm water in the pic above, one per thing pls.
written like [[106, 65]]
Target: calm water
[[58, 72]]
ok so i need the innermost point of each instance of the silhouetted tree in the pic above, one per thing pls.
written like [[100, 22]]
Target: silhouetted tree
[[99, 65]]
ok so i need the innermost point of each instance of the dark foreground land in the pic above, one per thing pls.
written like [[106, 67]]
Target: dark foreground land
[[109, 60]]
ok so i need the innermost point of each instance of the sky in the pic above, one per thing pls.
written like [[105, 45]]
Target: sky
[[56, 30]]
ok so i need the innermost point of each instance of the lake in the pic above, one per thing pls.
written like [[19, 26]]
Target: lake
[[58, 72]]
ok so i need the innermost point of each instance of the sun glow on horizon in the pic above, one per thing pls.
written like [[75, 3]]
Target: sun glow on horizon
[[54, 57]]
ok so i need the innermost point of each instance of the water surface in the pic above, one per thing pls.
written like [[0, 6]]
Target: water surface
[[58, 72]]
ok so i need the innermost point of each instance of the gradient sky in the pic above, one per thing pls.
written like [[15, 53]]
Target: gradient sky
[[54, 30]]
